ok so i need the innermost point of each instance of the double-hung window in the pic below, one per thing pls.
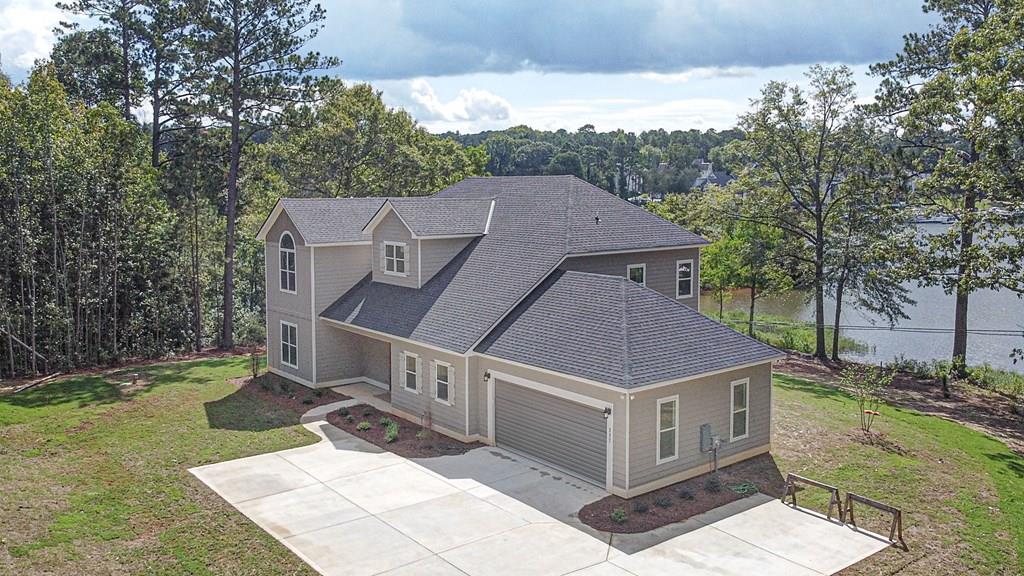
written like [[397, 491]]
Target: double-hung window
[[740, 412], [289, 344], [412, 372], [444, 376], [668, 425], [637, 273], [286, 251], [394, 258], [684, 278]]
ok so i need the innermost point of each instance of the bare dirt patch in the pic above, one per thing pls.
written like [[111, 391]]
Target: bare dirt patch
[[983, 410], [286, 394], [413, 440], [686, 499]]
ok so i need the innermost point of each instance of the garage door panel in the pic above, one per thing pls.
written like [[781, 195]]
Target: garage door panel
[[563, 433]]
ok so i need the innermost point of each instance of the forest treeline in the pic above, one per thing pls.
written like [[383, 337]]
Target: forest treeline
[[653, 163], [138, 161]]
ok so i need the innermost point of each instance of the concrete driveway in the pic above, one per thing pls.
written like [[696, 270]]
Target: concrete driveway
[[347, 507]]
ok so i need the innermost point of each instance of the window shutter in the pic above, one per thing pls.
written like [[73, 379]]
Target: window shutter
[[451, 385], [383, 257], [419, 375]]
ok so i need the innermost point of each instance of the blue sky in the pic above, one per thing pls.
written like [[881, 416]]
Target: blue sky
[[487, 64]]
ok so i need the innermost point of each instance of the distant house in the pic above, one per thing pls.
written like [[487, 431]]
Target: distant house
[[706, 175], [537, 313]]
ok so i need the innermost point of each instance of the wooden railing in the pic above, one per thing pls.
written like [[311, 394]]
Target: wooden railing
[[895, 527], [834, 501]]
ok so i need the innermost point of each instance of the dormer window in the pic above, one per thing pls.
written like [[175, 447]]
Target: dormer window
[[286, 250], [394, 258]]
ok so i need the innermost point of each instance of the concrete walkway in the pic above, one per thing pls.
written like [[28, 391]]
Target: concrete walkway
[[347, 507]]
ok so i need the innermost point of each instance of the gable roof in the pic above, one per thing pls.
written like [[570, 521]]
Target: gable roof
[[325, 220], [536, 222], [432, 217], [623, 334]]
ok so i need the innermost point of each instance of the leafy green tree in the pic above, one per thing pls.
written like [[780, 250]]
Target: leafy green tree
[[798, 149], [952, 96], [565, 163], [532, 158], [759, 257], [720, 268], [88, 65], [252, 71]]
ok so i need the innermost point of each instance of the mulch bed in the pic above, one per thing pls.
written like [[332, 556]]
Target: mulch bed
[[686, 499], [286, 394], [411, 443]]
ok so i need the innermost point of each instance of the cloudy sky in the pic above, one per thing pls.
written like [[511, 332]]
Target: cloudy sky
[[486, 64]]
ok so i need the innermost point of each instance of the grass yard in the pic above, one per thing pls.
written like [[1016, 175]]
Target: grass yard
[[962, 492], [95, 481], [95, 475]]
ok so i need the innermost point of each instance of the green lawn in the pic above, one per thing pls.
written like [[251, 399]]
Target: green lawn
[[962, 492], [95, 479], [94, 476]]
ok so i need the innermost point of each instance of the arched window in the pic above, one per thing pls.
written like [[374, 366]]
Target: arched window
[[287, 251]]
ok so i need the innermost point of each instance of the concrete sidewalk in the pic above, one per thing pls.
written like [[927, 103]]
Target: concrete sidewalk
[[347, 507]]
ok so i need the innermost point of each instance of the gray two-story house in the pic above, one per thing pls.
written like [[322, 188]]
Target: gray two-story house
[[541, 314]]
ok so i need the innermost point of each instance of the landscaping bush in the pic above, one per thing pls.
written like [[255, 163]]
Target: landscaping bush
[[285, 387], [266, 385], [684, 494], [385, 421], [423, 434], [640, 507], [363, 426], [663, 502], [390, 431], [307, 401], [619, 516], [319, 392], [343, 412], [712, 484], [350, 418], [367, 412]]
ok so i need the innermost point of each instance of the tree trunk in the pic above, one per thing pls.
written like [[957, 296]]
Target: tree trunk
[[819, 290], [721, 304], [840, 286], [753, 299], [156, 95], [962, 291], [197, 308], [126, 66], [227, 328]]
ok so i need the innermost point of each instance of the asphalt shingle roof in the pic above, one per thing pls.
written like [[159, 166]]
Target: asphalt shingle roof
[[536, 222], [328, 220], [432, 216], [622, 333]]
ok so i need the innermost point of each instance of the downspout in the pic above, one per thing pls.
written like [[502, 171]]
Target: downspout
[[312, 307]]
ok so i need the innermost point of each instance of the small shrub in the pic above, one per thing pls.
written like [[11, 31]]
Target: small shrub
[[619, 516], [319, 392], [265, 385], [423, 434], [363, 426], [285, 387], [684, 494], [343, 412], [307, 401], [385, 421], [390, 432], [663, 502], [640, 507], [712, 484], [367, 412], [350, 418]]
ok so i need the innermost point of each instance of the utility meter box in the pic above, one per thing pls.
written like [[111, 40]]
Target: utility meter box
[[706, 441]]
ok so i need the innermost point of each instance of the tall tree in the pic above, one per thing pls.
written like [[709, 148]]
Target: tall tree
[[798, 149], [253, 70], [88, 65], [122, 20], [948, 98], [166, 49]]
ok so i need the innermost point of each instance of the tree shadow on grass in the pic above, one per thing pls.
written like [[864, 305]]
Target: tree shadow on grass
[[80, 391], [1013, 463], [243, 410], [812, 388]]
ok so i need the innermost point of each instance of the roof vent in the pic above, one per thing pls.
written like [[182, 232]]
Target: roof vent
[[597, 219]]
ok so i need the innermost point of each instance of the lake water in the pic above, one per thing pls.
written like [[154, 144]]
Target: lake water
[[988, 309]]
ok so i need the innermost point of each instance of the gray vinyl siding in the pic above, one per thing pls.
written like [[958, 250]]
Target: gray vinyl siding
[[294, 308], [702, 401], [563, 433], [419, 403], [434, 254], [391, 229], [478, 393], [660, 275], [340, 354]]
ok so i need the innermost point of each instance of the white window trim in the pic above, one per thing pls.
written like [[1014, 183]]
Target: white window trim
[[451, 385], [405, 372], [296, 344], [692, 274], [631, 267], [294, 273], [405, 258], [732, 409], [657, 430]]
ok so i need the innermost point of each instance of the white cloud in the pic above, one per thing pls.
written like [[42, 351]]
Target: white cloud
[[700, 74], [472, 105], [26, 31]]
